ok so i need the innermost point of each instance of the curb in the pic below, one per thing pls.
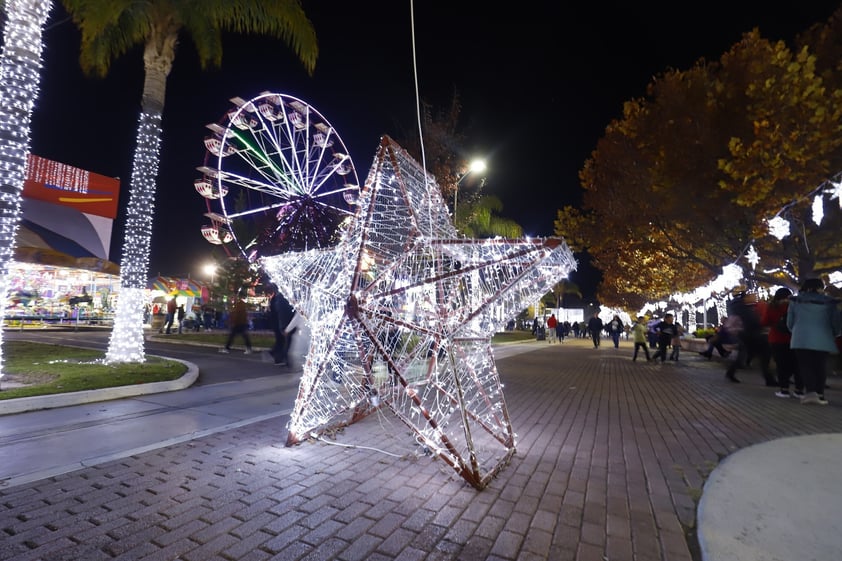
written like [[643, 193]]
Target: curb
[[24, 404]]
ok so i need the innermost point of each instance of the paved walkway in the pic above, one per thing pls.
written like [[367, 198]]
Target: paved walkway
[[611, 461]]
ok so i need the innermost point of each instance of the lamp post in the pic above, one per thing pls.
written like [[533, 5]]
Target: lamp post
[[477, 166], [210, 270]]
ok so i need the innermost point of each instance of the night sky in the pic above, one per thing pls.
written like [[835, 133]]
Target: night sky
[[538, 85]]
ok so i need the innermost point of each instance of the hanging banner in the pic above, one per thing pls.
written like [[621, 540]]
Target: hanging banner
[[61, 184]]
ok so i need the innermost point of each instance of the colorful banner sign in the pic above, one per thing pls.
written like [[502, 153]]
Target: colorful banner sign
[[69, 186]]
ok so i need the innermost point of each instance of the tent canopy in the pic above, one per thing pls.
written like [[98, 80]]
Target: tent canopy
[[176, 286]]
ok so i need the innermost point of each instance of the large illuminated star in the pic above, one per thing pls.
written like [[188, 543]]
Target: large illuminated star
[[402, 312]]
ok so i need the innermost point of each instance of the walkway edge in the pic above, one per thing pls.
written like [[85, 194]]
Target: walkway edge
[[24, 404]]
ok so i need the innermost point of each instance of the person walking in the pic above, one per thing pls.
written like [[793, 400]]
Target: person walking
[[280, 315], [752, 342], [615, 329], [774, 318], [595, 327], [561, 330], [290, 330], [651, 333], [170, 318], [639, 331], [666, 330], [815, 321], [717, 341], [207, 318], [676, 342], [181, 313], [238, 322], [552, 325]]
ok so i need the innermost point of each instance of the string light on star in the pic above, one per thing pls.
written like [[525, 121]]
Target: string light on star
[[405, 310]]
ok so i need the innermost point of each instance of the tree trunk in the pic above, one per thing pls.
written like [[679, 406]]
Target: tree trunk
[[20, 68], [127, 341]]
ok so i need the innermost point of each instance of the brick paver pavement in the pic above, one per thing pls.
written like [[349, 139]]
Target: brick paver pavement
[[611, 460]]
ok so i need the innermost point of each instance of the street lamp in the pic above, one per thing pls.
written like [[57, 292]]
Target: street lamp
[[477, 166], [210, 270]]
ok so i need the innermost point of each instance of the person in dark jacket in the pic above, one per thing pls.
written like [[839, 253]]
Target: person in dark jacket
[[280, 315], [616, 329], [814, 319], [666, 329], [238, 322], [595, 327], [752, 342]]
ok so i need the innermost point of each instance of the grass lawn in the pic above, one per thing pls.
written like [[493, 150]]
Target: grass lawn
[[38, 369], [259, 339], [512, 337], [51, 369]]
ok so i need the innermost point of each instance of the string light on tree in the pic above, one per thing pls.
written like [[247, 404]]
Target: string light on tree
[[405, 310], [835, 191], [778, 227], [127, 343], [20, 68], [752, 257], [818, 209]]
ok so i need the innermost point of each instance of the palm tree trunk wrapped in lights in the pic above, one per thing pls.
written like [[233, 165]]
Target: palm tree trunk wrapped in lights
[[20, 68], [110, 28], [126, 344]]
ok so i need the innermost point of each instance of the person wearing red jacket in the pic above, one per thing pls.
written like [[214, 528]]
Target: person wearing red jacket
[[552, 323], [774, 317]]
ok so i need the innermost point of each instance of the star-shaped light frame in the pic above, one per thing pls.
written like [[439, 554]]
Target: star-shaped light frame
[[402, 313]]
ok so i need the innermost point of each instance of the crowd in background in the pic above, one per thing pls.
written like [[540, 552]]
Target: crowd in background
[[792, 339]]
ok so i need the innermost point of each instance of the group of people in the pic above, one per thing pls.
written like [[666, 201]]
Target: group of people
[[174, 311], [668, 333], [595, 326], [564, 329], [798, 332], [557, 330], [283, 320], [206, 318]]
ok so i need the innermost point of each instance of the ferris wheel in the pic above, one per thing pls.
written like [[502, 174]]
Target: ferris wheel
[[277, 177]]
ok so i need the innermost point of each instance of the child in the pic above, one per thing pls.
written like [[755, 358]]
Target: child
[[639, 332], [666, 331], [676, 342]]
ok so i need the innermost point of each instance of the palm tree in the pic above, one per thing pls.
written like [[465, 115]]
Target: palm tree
[[109, 29], [477, 214], [20, 77], [478, 218], [561, 290]]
